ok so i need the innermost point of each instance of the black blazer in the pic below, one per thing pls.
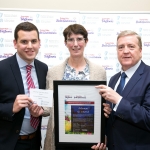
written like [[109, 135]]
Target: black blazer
[[11, 85]]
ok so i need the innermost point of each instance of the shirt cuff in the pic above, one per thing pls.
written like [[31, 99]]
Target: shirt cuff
[[116, 106]]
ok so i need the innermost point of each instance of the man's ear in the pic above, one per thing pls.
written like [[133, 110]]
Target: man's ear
[[15, 44]]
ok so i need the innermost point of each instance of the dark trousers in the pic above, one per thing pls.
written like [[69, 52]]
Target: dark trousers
[[29, 144]]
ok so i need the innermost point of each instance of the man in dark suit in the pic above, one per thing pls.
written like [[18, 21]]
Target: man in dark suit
[[16, 107], [128, 125]]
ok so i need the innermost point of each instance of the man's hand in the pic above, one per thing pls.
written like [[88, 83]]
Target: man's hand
[[21, 101], [99, 146], [107, 110], [109, 94], [36, 110]]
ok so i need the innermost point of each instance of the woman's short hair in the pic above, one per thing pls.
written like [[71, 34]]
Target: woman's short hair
[[75, 29]]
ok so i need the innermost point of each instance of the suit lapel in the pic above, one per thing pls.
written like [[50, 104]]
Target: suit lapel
[[16, 72], [39, 75], [114, 80], [112, 84], [134, 80]]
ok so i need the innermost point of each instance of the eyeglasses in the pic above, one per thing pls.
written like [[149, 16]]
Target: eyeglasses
[[72, 40]]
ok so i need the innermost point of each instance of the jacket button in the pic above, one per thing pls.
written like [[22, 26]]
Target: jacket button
[[17, 131]]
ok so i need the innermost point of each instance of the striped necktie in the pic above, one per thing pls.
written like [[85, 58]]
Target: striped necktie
[[34, 121]]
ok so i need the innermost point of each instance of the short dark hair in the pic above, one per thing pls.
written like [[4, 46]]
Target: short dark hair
[[76, 29], [25, 26]]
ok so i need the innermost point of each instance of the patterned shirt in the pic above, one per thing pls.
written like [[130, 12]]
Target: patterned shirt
[[70, 73]]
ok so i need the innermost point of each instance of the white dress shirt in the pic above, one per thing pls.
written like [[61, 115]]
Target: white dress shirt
[[26, 127]]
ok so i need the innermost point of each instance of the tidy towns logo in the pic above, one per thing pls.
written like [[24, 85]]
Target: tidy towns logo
[[6, 55], [26, 18], [5, 30], [143, 21], [46, 31], [108, 67], [107, 20], [146, 44], [109, 44], [66, 20], [49, 55]]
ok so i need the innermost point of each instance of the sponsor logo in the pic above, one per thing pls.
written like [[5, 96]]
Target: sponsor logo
[[93, 55], [142, 21], [90, 32], [144, 32], [94, 42], [106, 55], [118, 32], [26, 18], [1, 15], [108, 44], [5, 30], [10, 15], [6, 55], [147, 44], [105, 32], [8, 20], [44, 16], [90, 19], [108, 67], [45, 31], [1, 40], [123, 20], [66, 20], [146, 56], [6, 42], [51, 46], [49, 55], [51, 43], [107, 20]]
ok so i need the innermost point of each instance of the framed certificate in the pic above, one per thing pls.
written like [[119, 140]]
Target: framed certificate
[[78, 112]]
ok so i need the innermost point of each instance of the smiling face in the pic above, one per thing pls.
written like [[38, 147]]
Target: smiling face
[[128, 51], [76, 44], [27, 45]]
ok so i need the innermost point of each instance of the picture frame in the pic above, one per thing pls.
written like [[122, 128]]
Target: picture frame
[[78, 114]]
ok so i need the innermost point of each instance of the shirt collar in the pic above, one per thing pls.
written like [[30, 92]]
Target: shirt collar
[[21, 62], [132, 70]]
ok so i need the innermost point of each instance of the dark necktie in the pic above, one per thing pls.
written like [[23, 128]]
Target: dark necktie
[[34, 121], [121, 84]]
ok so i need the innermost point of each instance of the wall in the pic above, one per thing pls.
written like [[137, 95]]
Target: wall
[[81, 5]]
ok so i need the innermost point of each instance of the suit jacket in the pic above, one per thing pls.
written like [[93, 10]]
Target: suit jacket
[[56, 73], [129, 127], [11, 85]]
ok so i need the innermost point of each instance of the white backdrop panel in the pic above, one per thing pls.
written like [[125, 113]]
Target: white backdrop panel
[[102, 27]]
